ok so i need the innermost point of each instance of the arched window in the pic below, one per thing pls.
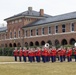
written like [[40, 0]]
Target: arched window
[[10, 45], [56, 42], [26, 44], [64, 42], [14, 45], [50, 43], [37, 43], [31, 43], [42, 42], [72, 41]]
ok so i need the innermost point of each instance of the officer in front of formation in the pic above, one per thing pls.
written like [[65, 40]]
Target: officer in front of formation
[[15, 52]]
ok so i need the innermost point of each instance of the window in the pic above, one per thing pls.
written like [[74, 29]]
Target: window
[[31, 32], [12, 22], [36, 31], [5, 36], [16, 21], [20, 20], [10, 34], [19, 33], [56, 29], [14, 34], [72, 27], [49, 30], [42, 31], [63, 28], [26, 33]]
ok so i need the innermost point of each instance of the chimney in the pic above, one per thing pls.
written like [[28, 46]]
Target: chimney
[[29, 8], [41, 12]]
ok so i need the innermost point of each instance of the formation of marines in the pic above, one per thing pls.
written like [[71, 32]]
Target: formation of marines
[[44, 54]]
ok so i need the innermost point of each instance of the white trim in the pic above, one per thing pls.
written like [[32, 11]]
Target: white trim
[[18, 33], [40, 36], [36, 31], [48, 30], [71, 26], [55, 29], [42, 31], [30, 32], [51, 34]]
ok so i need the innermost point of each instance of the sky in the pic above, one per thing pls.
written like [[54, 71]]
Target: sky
[[9, 8]]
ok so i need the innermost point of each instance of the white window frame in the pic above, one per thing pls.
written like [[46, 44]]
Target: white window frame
[[56, 30], [71, 27], [48, 30], [63, 28], [25, 33], [36, 31], [42, 31], [14, 34], [18, 33], [10, 34], [30, 32], [20, 20]]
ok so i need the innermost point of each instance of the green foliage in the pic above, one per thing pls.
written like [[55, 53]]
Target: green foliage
[[6, 51], [68, 46]]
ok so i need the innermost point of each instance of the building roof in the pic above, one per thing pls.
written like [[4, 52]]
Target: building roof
[[52, 19], [28, 13], [3, 29]]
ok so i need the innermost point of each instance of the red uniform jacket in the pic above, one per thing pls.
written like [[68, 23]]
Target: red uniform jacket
[[53, 52], [38, 53], [48, 54], [15, 52], [45, 52], [64, 52], [61, 52], [24, 52], [69, 53], [20, 52], [75, 52], [30, 53]]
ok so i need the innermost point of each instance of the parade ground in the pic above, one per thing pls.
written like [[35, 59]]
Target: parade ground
[[9, 67]]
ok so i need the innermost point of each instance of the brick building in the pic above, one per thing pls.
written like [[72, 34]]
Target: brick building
[[32, 28]]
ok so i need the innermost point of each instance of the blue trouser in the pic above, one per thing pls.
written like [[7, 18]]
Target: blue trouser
[[64, 57], [68, 57], [44, 59], [20, 58], [53, 58], [75, 57], [15, 58], [33, 59], [61, 58], [24, 58], [38, 58], [48, 58], [30, 58]]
